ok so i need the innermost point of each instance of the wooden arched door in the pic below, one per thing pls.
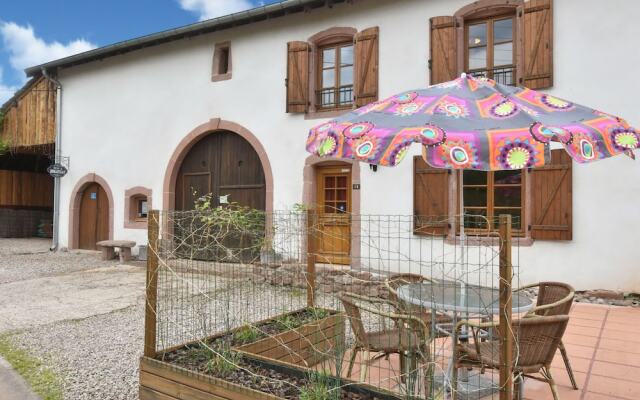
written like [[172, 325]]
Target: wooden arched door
[[93, 217], [225, 165]]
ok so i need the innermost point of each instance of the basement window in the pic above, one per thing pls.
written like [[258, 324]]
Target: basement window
[[137, 206], [221, 62]]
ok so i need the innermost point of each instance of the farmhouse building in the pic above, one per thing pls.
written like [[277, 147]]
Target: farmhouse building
[[224, 106]]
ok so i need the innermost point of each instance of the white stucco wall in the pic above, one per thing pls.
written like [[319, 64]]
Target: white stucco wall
[[124, 116]]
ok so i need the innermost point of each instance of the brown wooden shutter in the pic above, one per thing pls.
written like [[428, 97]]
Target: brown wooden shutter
[[538, 44], [366, 66], [297, 82], [442, 50], [551, 199], [430, 198]]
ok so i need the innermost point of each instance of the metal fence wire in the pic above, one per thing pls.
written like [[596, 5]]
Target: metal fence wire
[[298, 304]]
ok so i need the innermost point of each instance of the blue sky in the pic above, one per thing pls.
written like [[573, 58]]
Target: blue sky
[[36, 31]]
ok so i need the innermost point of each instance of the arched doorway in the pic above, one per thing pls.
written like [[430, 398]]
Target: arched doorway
[[91, 213], [225, 165]]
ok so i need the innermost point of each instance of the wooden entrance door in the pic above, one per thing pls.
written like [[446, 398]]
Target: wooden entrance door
[[94, 217], [334, 214], [222, 164]]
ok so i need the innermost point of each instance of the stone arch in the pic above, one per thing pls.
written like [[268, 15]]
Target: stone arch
[[74, 207], [216, 124]]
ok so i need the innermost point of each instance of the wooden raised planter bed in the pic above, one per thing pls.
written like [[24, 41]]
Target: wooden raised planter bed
[[304, 346], [291, 353]]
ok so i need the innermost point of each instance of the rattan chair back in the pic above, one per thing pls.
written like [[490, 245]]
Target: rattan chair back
[[538, 339]]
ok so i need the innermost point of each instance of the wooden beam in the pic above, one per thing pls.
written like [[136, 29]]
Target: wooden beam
[[506, 276], [152, 285], [311, 257]]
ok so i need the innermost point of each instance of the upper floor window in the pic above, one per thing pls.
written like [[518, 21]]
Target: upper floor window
[[335, 76], [221, 62], [490, 49]]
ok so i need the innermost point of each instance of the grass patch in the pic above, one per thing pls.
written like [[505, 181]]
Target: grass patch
[[42, 379]]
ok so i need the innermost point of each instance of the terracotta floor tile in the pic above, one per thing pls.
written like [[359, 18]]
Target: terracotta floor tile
[[596, 396], [611, 324], [534, 390], [613, 387], [581, 330], [581, 315], [590, 323], [629, 335], [618, 345], [617, 371], [580, 340], [577, 364], [618, 357], [562, 377], [587, 308], [578, 351]]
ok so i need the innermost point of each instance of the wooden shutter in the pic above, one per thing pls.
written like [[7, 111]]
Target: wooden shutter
[[430, 198], [297, 82], [551, 199], [442, 50], [366, 66], [538, 44]]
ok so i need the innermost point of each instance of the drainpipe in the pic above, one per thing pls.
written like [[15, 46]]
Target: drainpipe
[[58, 152]]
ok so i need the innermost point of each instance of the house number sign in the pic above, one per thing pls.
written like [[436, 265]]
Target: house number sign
[[57, 170]]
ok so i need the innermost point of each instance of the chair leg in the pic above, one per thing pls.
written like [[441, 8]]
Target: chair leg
[[354, 353], [567, 365], [365, 365], [518, 386], [454, 382], [403, 367], [552, 383]]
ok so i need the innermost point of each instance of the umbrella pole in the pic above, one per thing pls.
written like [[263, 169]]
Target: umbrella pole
[[464, 373]]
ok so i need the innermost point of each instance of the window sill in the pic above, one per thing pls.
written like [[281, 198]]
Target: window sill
[[220, 77], [487, 240], [332, 113], [136, 224]]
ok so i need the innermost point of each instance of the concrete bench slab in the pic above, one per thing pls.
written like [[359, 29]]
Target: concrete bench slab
[[109, 246]]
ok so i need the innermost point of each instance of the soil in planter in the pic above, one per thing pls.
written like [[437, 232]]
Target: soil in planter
[[249, 373]]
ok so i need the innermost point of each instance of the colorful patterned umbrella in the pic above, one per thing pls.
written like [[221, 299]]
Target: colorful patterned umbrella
[[473, 123]]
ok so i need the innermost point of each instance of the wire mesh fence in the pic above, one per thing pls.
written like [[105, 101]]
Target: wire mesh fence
[[301, 304]]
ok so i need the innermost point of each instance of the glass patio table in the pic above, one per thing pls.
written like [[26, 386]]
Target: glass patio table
[[467, 300]]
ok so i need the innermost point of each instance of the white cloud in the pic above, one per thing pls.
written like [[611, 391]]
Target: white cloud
[[26, 49], [6, 91], [207, 9]]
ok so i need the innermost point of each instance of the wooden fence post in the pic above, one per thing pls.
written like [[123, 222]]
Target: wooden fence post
[[311, 257], [152, 285], [506, 274]]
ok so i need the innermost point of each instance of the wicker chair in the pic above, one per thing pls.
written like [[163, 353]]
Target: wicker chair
[[395, 281], [409, 336], [537, 341], [554, 298]]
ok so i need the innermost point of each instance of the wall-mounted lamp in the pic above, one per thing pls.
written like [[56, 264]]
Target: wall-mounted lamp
[[373, 167]]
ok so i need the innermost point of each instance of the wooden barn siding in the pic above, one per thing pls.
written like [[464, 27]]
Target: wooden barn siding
[[20, 189], [31, 120]]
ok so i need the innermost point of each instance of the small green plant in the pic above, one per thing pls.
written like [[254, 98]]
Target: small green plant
[[4, 147], [320, 386], [42, 379], [286, 321], [223, 362], [246, 334], [319, 313]]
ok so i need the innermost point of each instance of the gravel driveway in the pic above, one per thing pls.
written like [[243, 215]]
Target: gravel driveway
[[82, 316]]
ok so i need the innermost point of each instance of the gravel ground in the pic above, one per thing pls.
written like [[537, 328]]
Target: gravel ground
[[22, 259]]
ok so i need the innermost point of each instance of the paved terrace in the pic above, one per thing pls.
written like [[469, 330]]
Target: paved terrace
[[604, 347]]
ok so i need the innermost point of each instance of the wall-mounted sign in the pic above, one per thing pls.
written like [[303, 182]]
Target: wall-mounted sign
[[57, 170], [356, 186]]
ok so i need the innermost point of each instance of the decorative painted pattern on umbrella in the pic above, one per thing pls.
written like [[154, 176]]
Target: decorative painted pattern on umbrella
[[473, 123]]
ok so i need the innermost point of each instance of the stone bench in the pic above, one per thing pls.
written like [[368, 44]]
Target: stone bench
[[109, 246]]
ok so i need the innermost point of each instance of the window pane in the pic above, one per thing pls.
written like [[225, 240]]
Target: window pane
[[475, 218], [328, 98], [503, 30], [328, 58], [342, 182], [478, 34], [475, 197], [328, 78], [342, 194], [346, 95], [329, 181], [477, 57], [503, 54], [507, 177], [515, 214], [341, 208], [474, 178], [346, 55], [329, 194], [508, 196], [346, 76]]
